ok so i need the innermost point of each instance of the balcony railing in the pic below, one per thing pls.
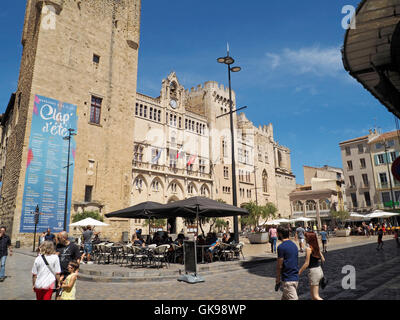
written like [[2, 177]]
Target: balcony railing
[[170, 169]]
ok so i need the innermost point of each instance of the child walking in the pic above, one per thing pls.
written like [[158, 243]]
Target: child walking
[[69, 285]]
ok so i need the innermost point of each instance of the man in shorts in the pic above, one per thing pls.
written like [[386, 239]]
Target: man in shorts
[[287, 270], [324, 238], [87, 243], [300, 237]]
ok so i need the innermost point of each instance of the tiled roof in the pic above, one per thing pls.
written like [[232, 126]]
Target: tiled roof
[[355, 139]]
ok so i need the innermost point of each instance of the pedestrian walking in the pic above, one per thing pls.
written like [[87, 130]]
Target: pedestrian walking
[[313, 264], [273, 237], [88, 235], [380, 238], [5, 246], [324, 239], [300, 237], [287, 270], [69, 285], [67, 252], [46, 271], [50, 236]]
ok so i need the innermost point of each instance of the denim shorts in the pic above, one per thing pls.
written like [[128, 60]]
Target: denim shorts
[[88, 248]]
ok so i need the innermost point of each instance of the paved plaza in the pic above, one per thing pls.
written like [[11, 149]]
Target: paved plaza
[[377, 277]]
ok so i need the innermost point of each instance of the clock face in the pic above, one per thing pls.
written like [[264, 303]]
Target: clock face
[[173, 104]]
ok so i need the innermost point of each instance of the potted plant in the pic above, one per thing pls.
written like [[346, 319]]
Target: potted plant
[[256, 213]]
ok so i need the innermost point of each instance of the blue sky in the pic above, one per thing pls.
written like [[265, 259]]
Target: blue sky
[[292, 75]]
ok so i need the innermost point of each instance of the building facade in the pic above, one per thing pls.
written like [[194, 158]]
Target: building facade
[[385, 149], [323, 191], [361, 192], [181, 149]]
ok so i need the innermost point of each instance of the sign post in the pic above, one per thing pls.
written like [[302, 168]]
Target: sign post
[[190, 258], [36, 223]]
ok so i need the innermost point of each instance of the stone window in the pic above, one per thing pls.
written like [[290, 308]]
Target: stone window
[[298, 206], [96, 59], [265, 181], [95, 110], [362, 163], [202, 166], [226, 172], [349, 165], [139, 183], [88, 193], [138, 153], [352, 181], [311, 205], [151, 114], [159, 115], [155, 185], [224, 148]]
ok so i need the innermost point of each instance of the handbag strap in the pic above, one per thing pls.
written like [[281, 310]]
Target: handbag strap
[[48, 266]]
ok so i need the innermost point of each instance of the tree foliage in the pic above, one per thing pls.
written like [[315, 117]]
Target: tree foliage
[[257, 212], [87, 214], [340, 215]]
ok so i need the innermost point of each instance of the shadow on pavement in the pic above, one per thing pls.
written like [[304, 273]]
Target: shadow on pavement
[[362, 257]]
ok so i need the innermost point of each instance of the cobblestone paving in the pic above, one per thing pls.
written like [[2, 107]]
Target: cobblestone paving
[[376, 272]]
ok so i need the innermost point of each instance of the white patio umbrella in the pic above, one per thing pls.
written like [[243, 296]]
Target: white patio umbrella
[[303, 219], [358, 217], [276, 222], [89, 222], [381, 214]]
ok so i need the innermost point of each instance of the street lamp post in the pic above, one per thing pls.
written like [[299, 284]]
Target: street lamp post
[[37, 213], [71, 132], [229, 61]]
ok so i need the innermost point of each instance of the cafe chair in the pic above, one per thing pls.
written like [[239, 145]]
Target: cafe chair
[[160, 254]]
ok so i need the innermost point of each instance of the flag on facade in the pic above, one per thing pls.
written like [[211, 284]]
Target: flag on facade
[[179, 152], [191, 160], [155, 159]]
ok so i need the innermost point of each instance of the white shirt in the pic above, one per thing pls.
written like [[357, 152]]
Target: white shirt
[[45, 278]]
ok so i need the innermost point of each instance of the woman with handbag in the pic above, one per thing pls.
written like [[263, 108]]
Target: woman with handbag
[[314, 257], [46, 271]]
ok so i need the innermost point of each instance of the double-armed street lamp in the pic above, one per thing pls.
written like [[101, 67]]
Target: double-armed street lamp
[[228, 60], [71, 132]]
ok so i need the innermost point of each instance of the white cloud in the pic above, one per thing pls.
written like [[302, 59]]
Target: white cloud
[[315, 60]]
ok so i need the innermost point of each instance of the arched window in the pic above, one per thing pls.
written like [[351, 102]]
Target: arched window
[[265, 181], [298, 206], [173, 91], [311, 205], [279, 158], [324, 204]]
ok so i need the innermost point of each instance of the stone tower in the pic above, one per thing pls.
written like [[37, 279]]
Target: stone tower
[[84, 53]]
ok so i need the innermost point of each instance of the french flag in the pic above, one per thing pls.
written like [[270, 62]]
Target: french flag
[[179, 152], [191, 160]]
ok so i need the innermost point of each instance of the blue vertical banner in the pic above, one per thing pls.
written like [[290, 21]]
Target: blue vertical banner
[[46, 166]]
